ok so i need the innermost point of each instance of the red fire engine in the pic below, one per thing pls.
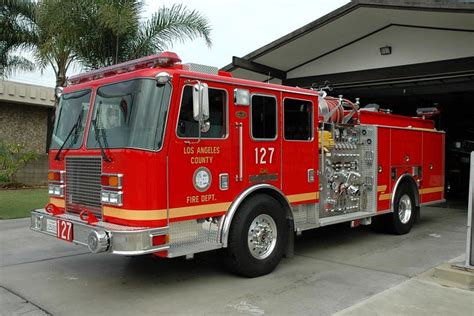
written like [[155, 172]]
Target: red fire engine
[[157, 157]]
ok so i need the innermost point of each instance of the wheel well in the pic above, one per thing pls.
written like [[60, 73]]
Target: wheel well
[[407, 179], [278, 197], [266, 189]]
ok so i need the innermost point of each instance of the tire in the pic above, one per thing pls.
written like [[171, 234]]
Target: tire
[[404, 211], [257, 237]]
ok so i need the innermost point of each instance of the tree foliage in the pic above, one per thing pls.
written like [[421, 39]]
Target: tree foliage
[[115, 37], [93, 33], [12, 158], [17, 32]]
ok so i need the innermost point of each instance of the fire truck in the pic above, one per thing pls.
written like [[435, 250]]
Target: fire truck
[[154, 156]]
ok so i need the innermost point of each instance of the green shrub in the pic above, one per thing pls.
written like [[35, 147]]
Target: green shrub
[[12, 158]]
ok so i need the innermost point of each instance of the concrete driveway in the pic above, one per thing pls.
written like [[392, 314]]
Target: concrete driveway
[[335, 269]]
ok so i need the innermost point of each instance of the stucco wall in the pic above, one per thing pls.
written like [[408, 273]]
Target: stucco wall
[[25, 124]]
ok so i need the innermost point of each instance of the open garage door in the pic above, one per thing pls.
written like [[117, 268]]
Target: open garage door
[[444, 85]]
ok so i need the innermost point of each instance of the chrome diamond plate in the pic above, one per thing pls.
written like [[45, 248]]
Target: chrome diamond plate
[[83, 184], [201, 68], [193, 236]]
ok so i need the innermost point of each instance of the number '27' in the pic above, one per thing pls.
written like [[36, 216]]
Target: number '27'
[[264, 155]]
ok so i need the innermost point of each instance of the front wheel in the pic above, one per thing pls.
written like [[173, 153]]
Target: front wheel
[[257, 237]]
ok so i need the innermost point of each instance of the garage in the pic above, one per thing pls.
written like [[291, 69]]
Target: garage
[[398, 55]]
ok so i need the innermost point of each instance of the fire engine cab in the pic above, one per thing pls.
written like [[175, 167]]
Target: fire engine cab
[[154, 156]]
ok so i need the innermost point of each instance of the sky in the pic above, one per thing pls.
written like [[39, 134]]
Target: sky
[[238, 28]]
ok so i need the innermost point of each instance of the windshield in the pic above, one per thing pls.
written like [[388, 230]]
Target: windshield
[[130, 114], [71, 118]]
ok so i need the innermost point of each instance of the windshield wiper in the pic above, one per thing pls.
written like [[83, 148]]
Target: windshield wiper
[[74, 129], [97, 138]]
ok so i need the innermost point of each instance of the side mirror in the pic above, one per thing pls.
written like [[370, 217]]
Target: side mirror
[[200, 102]]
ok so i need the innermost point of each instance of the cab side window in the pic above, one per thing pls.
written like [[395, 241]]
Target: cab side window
[[189, 128], [297, 118], [264, 117]]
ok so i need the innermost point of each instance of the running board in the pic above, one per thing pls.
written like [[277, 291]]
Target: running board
[[326, 221]]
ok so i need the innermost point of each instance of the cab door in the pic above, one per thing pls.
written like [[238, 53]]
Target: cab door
[[198, 163], [299, 144], [262, 152]]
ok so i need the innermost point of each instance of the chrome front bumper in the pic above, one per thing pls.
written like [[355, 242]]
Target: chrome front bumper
[[116, 239]]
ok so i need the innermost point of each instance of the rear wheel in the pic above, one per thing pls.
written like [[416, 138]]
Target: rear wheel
[[257, 237], [403, 217]]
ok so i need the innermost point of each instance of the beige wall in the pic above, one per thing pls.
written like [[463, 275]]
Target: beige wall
[[24, 124]]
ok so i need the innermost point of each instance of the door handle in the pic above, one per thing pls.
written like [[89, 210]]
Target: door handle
[[240, 176]]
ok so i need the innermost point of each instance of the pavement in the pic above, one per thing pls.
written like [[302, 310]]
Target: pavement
[[335, 270]]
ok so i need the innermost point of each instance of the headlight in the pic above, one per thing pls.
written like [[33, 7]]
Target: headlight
[[56, 189], [111, 197]]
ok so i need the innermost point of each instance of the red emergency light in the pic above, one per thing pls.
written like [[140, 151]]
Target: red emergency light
[[165, 59]]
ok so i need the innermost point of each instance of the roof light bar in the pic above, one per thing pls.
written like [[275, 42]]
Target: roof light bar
[[165, 59]]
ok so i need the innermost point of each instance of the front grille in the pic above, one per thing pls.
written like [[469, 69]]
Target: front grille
[[83, 184]]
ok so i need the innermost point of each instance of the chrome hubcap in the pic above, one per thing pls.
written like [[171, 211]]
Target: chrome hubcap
[[262, 236], [404, 209]]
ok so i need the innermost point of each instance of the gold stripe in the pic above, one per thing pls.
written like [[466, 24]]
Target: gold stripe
[[423, 129], [381, 188], [134, 214], [385, 196], [303, 197], [200, 209], [431, 190], [213, 208], [188, 210], [161, 214], [57, 202]]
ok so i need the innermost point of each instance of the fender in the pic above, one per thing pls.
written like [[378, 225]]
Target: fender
[[242, 196], [409, 178]]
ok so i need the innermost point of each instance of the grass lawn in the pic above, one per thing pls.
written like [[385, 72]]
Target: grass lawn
[[19, 203]]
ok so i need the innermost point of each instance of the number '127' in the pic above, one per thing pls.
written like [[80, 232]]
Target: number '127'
[[264, 155]]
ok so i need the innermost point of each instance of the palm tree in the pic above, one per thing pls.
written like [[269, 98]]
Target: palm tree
[[93, 33], [120, 35], [37, 28], [18, 31], [58, 31]]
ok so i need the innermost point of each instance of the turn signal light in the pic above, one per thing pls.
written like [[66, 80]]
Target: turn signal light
[[56, 176], [112, 180]]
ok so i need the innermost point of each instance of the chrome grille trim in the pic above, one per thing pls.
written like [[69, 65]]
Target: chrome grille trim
[[83, 184]]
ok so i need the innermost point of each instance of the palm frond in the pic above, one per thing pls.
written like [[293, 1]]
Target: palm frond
[[170, 24], [120, 16], [16, 63], [19, 33]]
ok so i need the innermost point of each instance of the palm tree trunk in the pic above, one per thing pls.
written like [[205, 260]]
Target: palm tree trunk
[[116, 50], [60, 82]]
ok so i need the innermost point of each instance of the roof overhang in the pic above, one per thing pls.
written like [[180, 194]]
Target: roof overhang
[[344, 26], [18, 92]]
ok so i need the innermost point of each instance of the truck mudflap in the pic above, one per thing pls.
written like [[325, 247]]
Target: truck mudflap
[[101, 236]]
